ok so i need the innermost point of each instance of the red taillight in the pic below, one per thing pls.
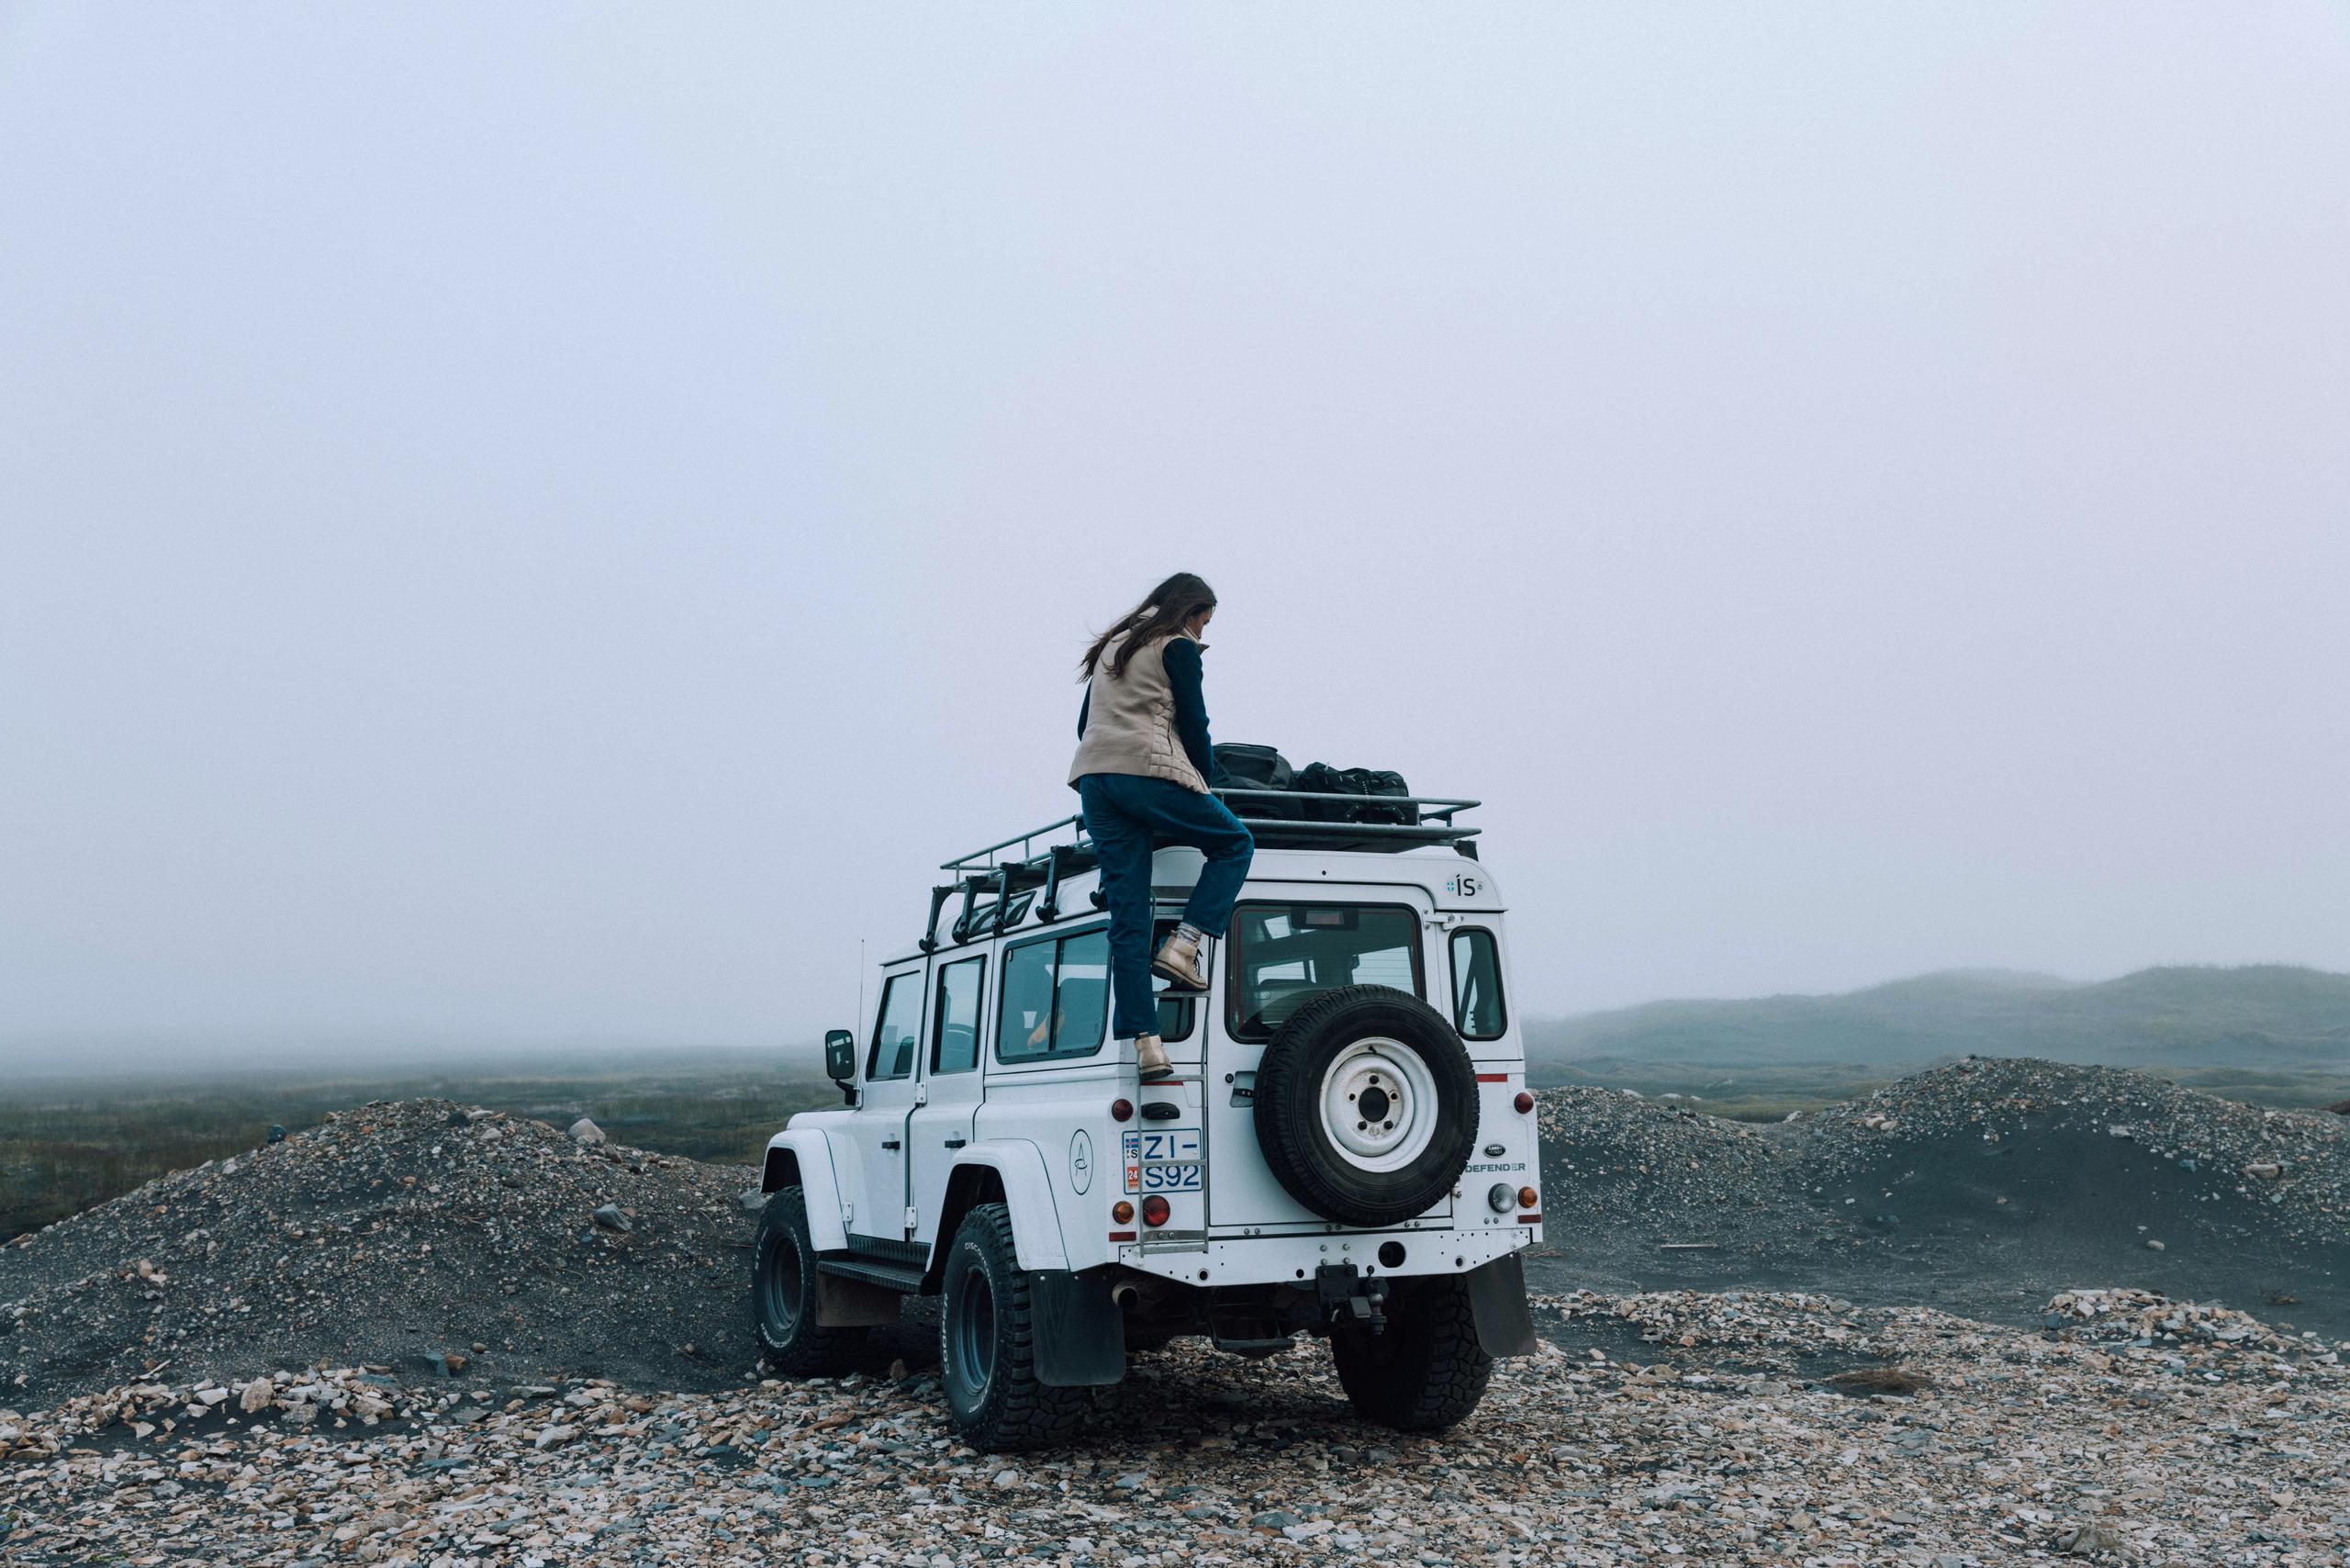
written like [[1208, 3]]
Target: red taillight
[[1528, 1197], [1122, 1211], [1154, 1210], [1525, 1101], [1122, 1109]]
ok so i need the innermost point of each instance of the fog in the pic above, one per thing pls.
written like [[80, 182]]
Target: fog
[[538, 525]]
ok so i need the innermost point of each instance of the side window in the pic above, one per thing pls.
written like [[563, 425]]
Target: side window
[[1477, 1010], [895, 1031], [1081, 995], [955, 1027], [1056, 998], [1024, 1026]]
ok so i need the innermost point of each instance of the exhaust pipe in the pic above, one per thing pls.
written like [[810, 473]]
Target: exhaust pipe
[[1125, 1296]]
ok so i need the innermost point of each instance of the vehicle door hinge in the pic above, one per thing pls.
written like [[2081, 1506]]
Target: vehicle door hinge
[[922, 1094], [909, 1221], [848, 1214]]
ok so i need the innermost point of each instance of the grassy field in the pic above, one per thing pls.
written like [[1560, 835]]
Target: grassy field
[[65, 1146]]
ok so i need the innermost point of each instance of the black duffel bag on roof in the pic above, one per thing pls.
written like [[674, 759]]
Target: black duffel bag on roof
[[1377, 788], [1239, 765]]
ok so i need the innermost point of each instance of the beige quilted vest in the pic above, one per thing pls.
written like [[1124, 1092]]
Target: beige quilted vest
[[1130, 721]]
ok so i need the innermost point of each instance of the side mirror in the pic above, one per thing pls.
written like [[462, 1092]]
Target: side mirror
[[840, 1055]]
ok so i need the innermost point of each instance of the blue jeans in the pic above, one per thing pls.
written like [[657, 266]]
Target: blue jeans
[[1126, 816]]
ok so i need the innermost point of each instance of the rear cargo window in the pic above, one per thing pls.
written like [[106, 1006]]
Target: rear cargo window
[[1282, 954], [1056, 998], [1477, 985]]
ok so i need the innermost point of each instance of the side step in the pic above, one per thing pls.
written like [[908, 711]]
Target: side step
[[872, 1272]]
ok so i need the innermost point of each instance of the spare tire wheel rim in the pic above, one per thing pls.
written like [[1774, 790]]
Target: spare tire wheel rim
[[1378, 1104]]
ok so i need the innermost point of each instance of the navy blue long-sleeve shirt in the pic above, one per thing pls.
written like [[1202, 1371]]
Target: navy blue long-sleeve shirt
[[1182, 660]]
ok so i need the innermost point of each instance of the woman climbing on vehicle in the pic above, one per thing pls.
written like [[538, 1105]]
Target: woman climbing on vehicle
[[1142, 772]]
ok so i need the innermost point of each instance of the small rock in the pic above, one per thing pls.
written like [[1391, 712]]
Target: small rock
[[276, 1133], [753, 1200], [257, 1396], [550, 1436], [1007, 1478], [1273, 1518], [2267, 1169], [2155, 1246], [586, 1132], [454, 1363], [610, 1218]]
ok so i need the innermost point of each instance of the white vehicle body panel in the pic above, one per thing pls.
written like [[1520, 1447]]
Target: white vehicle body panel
[[806, 1140]]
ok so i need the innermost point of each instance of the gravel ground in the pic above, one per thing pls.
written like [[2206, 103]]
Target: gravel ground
[[398, 1234], [523, 1383], [1984, 1187], [1708, 1434]]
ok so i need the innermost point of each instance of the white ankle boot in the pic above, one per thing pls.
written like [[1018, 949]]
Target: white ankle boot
[[1179, 960], [1151, 1057]]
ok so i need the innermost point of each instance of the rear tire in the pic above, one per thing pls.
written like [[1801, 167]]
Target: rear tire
[[1426, 1370], [783, 1295], [986, 1345]]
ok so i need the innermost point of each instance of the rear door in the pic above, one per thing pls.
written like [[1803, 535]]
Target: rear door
[[875, 1195], [941, 1124], [1280, 951]]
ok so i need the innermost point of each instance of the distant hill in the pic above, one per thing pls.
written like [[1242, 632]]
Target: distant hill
[[2262, 1016]]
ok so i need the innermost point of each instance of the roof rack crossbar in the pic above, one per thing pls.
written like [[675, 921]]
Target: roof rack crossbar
[[984, 859]]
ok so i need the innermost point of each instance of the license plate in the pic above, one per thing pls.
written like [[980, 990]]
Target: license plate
[[1164, 1160]]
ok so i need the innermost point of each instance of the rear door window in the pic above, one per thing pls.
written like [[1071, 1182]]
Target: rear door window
[[896, 1030], [954, 1030], [1283, 954], [1477, 1010], [1056, 997]]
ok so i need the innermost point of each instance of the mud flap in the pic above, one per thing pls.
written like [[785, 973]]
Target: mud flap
[[1497, 1304], [1081, 1333]]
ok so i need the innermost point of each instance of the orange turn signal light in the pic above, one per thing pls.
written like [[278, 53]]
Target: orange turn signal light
[[1528, 1197], [1122, 1211]]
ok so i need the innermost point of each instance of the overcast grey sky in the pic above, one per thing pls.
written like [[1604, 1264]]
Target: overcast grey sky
[[543, 525]]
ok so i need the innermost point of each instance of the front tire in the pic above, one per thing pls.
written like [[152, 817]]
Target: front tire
[[783, 1295], [1427, 1372], [987, 1349]]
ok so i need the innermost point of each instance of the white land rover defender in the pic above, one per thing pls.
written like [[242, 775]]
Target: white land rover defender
[[1347, 1148]]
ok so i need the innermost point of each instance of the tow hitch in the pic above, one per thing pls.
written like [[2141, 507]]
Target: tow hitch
[[1345, 1297]]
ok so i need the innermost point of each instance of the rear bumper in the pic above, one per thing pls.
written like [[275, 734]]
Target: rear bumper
[[1286, 1260]]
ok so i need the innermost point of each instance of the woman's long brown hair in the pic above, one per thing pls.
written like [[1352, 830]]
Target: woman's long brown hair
[[1162, 611]]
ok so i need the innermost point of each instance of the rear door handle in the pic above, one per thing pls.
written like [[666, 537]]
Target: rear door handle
[[955, 1143], [890, 1143]]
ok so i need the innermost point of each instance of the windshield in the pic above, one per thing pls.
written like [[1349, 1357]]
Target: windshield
[[1284, 953]]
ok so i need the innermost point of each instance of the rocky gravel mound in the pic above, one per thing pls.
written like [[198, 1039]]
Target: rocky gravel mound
[[1707, 1438], [1983, 1187], [1661, 1170], [419, 1237], [2294, 1165]]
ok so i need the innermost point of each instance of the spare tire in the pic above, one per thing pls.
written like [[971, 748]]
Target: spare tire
[[1365, 1106]]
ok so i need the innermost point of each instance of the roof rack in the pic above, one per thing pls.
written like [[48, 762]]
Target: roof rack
[[999, 886]]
